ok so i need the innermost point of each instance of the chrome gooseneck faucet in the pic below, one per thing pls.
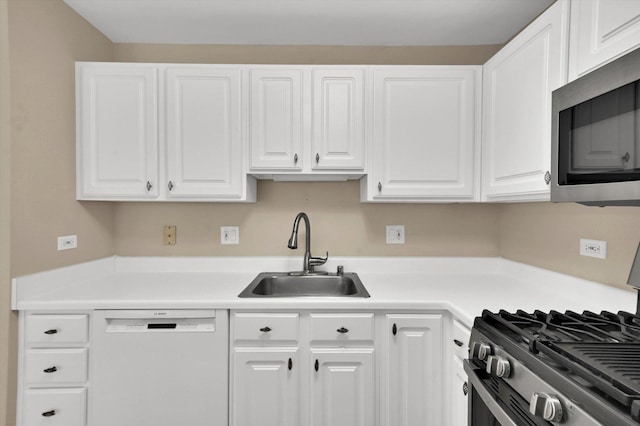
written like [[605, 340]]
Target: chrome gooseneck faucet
[[309, 262]]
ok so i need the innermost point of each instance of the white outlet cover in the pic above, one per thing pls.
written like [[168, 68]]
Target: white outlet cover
[[593, 248], [67, 242], [229, 235], [395, 234]]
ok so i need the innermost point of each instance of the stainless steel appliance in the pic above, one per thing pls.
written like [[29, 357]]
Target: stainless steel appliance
[[534, 369], [159, 367], [596, 136]]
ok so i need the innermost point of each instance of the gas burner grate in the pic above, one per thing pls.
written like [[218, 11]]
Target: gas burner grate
[[614, 368]]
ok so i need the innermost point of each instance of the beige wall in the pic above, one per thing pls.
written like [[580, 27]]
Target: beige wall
[[224, 54], [46, 37], [340, 224], [7, 318], [42, 39], [548, 235]]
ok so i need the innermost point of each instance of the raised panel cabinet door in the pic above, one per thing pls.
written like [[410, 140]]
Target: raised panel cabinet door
[[413, 381], [342, 387], [601, 30], [265, 387], [203, 132], [276, 109], [518, 81], [117, 131], [338, 118], [425, 131]]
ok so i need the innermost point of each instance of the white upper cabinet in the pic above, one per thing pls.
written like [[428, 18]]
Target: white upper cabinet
[[518, 81], [276, 118], [426, 123], [306, 120], [601, 30], [203, 132], [338, 119], [117, 131], [150, 132]]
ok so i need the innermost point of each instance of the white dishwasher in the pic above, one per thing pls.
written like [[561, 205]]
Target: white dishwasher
[[159, 368]]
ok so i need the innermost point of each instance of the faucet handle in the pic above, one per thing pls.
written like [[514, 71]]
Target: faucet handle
[[317, 261]]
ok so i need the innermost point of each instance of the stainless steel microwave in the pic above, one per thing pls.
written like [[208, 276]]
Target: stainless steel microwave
[[595, 145]]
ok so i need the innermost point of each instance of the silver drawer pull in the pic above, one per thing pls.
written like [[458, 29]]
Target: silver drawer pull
[[51, 369], [342, 330], [49, 413], [52, 331], [265, 329]]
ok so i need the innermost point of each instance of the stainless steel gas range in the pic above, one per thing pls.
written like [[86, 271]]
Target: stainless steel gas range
[[574, 369]]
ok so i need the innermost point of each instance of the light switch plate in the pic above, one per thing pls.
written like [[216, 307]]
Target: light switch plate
[[229, 235]]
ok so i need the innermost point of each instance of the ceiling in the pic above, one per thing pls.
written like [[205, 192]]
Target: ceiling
[[311, 22]]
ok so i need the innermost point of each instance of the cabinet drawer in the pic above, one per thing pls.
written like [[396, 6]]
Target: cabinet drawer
[[55, 366], [265, 327], [461, 334], [67, 329], [54, 407], [342, 327]]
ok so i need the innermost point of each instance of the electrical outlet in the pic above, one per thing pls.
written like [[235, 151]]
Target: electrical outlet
[[593, 248], [169, 235], [395, 234], [67, 242], [229, 235]]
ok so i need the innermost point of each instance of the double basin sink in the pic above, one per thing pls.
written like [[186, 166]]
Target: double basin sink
[[283, 284]]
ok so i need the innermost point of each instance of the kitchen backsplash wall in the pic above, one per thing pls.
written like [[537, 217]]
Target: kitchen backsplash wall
[[340, 224], [548, 235]]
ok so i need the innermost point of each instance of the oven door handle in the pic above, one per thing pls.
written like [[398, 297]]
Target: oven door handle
[[477, 385]]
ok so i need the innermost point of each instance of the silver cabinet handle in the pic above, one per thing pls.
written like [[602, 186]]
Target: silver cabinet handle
[[317, 158], [342, 330], [170, 185], [149, 186], [265, 329], [50, 370], [379, 186], [49, 413], [51, 331], [295, 158], [547, 178], [626, 157]]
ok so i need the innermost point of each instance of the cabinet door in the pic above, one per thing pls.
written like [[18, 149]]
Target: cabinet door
[[276, 113], [518, 82], [55, 407], [425, 130], [601, 30], [203, 133], [342, 387], [265, 387], [412, 388], [117, 131], [338, 119]]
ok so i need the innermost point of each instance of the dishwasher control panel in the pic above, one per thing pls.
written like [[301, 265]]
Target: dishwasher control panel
[[149, 321]]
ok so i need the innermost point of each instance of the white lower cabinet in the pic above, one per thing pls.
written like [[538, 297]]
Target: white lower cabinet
[[412, 376], [55, 407], [53, 369], [343, 387], [266, 387], [457, 352]]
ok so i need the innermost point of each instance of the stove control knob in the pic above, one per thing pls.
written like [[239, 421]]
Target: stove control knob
[[480, 351], [498, 366], [546, 406]]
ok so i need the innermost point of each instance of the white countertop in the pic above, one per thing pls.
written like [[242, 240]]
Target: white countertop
[[462, 286]]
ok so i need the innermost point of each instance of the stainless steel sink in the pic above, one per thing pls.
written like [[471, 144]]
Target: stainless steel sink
[[279, 284]]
